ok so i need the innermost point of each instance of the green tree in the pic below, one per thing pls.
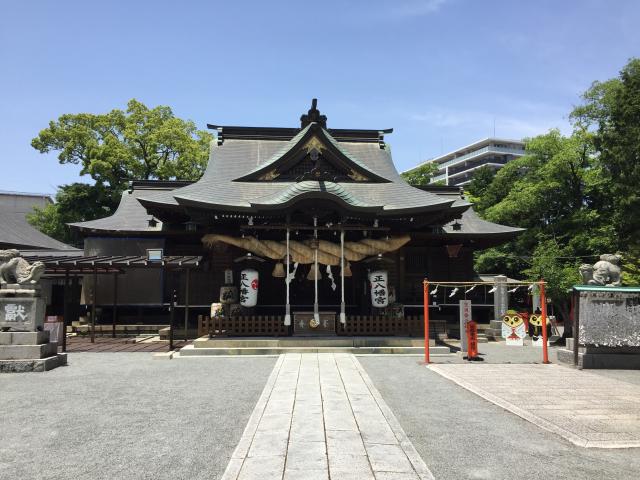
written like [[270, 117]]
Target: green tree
[[75, 202], [420, 175], [577, 196], [480, 181], [612, 110], [139, 143], [556, 192], [114, 148]]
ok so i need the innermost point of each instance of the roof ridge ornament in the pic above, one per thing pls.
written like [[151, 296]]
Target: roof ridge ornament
[[313, 116]]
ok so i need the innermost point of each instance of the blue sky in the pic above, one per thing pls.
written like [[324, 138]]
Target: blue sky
[[438, 71]]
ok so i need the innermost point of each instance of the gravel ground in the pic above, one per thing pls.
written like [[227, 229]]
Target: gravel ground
[[127, 416], [462, 436]]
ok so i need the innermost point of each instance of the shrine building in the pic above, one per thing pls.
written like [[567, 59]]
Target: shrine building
[[293, 231]]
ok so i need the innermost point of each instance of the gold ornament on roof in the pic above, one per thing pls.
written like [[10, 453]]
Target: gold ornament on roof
[[358, 177], [314, 144], [270, 175]]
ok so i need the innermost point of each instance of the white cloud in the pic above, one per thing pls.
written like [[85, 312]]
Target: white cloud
[[534, 120], [415, 8]]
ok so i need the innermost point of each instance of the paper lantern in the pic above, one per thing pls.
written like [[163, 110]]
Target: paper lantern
[[249, 287], [278, 270], [228, 294], [379, 288]]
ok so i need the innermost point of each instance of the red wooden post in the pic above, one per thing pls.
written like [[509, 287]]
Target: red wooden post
[[471, 329], [425, 285], [543, 310]]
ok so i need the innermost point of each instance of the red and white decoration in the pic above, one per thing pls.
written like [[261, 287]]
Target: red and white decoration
[[249, 287]]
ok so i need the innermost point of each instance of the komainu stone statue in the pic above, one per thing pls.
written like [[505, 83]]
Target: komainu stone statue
[[15, 269], [605, 272]]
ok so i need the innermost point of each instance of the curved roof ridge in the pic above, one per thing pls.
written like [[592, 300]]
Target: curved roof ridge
[[298, 189], [280, 152], [295, 141], [130, 215]]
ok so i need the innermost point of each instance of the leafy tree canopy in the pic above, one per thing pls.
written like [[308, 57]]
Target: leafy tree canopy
[[114, 148], [480, 181], [555, 192], [420, 175], [139, 143], [576, 195], [76, 202]]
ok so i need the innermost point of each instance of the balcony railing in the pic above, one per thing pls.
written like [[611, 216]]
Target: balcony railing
[[481, 151]]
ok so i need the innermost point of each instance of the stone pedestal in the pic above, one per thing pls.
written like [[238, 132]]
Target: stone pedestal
[[500, 307], [21, 309], [29, 352], [608, 328], [494, 332], [591, 356]]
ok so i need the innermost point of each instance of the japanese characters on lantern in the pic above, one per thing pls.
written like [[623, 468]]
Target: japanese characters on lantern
[[248, 287], [379, 288]]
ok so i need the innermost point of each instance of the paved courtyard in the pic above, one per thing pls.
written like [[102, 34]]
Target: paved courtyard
[[127, 416], [587, 409], [460, 435], [118, 344], [320, 415]]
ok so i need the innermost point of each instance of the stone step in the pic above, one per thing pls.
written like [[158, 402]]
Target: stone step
[[24, 338], [622, 361], [306, 342], [34, 364], [19, 352], [190, 350]]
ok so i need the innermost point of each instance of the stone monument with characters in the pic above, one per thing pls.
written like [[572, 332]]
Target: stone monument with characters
[[24, 345], [606, 322]]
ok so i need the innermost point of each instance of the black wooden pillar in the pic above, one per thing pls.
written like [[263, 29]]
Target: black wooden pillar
[[186, 303], [576, 327], [115, 305], [66, 311], [172, 297], [93, 305]]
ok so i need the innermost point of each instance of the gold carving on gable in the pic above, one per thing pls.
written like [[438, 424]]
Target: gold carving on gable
[[314, 144], [357, 177], [270, 175]]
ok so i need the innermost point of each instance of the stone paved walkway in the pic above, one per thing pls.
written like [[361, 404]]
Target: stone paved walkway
[[320, 415], [118, 344], [587, 409]]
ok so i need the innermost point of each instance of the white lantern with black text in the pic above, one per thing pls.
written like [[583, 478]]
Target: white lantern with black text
[[379, 288], [248, 287]]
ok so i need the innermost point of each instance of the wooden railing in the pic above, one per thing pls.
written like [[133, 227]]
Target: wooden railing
[[243, 326], [356, 325]]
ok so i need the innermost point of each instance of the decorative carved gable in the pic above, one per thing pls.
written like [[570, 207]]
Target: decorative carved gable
[[313, 155]]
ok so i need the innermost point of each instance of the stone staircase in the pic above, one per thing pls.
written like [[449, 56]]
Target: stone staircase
[[205, 346], [29, 352]]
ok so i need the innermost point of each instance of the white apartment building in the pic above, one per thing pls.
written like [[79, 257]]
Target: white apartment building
[[456, 168]]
